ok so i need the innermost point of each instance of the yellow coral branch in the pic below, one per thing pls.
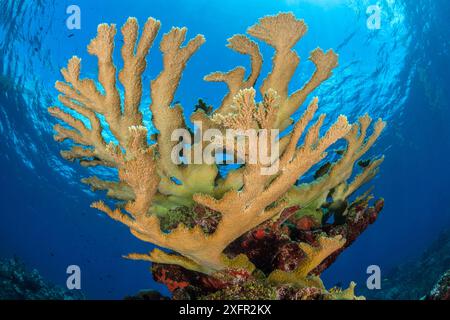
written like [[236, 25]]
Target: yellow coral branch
[[357, 145], [134, 53], [235, 78], [314, 255], [282, 32], [162, 257]]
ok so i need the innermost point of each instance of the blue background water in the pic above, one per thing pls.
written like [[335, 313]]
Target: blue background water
[[400, 73]]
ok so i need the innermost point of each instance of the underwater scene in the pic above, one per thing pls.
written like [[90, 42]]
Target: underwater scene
[[225, 150]]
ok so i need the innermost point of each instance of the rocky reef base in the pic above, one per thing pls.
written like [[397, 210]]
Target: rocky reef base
[[441, 290], [425, 277], [18, 283], [272, 246]]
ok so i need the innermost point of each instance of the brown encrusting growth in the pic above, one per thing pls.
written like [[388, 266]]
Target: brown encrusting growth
[[213, 226]]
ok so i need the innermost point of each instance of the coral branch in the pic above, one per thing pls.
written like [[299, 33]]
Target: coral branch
[[235, 78], [341, 171], [115, 190], [281, 32], [325, 63], [134, 55], [165, 118], [159, 256]]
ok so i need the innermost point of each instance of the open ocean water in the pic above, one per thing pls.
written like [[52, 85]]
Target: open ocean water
[[400, 72]]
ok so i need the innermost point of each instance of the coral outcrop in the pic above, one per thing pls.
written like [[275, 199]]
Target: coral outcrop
[[18, 283], [214, 226], [441, 291], [424, 276]]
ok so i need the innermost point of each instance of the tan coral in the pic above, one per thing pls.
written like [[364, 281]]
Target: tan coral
[[235, 78], [151, 183], [358, 144], [314, 255], [346, 294]]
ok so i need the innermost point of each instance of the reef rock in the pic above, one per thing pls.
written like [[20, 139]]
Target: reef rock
[[17, 283], [418, 277]]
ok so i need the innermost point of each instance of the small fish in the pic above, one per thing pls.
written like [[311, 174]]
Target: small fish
[[326, 205], [364, 163], [70, 35], [323, 170], [203, 106], [338, 207]]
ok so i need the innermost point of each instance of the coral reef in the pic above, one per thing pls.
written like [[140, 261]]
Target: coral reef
[[215, 227], [17, 283], [416, 278], [441, 291], [147, 295], [274, 250]]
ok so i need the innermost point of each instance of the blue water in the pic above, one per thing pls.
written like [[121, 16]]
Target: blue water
[[399, 73]]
